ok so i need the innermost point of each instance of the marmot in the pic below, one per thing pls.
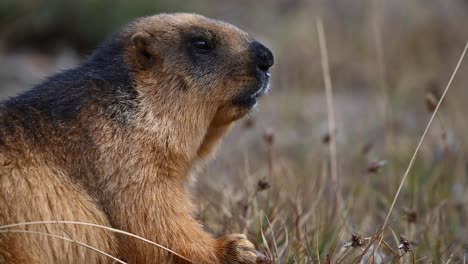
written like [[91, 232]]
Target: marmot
[[112, 142]]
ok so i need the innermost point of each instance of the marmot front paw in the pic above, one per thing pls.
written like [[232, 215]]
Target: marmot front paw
[[236, 249]]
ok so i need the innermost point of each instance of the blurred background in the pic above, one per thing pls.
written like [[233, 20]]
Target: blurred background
[[273, 178]]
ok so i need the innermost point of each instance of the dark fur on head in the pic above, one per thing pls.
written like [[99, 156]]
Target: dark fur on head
[[104, 79]]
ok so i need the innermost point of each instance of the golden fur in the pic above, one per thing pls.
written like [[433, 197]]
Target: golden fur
[[116, 149]]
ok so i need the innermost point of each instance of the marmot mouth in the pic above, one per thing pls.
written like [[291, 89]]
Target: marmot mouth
[[249, 98], [262, 91], [264, 87]]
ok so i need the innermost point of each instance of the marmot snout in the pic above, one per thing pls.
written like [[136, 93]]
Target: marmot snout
[[262, 60]]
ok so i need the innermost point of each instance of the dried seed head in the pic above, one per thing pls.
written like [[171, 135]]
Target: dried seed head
[[326, 138], [262, 185], [374, 166], [444, 135], [431, 102], [249, 122], [269, 136], [411, 215], [432, 96], [367, 148], [355, 241], [405, 244]]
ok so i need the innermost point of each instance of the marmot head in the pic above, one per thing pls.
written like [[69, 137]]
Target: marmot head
[[177, 57]]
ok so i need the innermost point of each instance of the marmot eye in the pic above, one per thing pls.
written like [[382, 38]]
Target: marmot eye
[[201, 44]]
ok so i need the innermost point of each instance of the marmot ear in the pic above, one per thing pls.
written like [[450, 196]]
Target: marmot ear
[[144, 53]]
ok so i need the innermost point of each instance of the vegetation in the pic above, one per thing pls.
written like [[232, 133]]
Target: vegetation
[[389, 63]]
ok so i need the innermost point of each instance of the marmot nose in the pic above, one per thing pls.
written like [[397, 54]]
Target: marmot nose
[[262, 56]]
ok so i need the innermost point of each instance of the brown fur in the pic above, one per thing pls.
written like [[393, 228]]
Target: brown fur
[[124, 163]]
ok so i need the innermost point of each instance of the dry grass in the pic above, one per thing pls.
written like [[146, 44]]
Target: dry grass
[[20, 231], [331, 134], [8, 229], [413, 158]]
